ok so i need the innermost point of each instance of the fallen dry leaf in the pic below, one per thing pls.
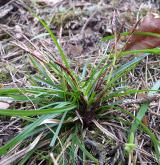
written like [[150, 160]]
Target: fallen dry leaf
[[1, 85], [4, 105], [145, 121], [150, 23]]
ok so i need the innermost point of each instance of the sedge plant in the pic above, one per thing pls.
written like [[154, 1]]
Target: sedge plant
[[66, 103]]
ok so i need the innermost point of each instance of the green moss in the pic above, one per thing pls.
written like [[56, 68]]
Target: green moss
[[61, 18], [5, 77]]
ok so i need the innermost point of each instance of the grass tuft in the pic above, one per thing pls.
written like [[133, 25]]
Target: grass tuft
[[64, 104]]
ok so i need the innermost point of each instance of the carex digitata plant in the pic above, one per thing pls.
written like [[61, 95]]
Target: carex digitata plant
[[66, 103]]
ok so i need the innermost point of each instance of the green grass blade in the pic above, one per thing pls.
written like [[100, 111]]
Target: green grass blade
[[129, 33], [140, 115], [142, 111], [154, 139], [10, 112], [93, 82], [128, 65], [82, 147], [118, 73], [144, 51], [125, 68], [57, 130], [64, 59], [42, 69], [25, 133], [84, 72]]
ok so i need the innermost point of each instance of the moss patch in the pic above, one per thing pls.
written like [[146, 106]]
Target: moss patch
[[5, 77]]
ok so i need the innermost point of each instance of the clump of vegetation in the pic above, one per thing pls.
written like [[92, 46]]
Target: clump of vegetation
[[5, 77], [66, 103], [61, 18]]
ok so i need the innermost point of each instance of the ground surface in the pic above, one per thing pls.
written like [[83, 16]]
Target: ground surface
[[79, 26]]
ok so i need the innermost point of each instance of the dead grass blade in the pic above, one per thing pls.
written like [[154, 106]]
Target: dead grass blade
[[7, 160], [105, 131]]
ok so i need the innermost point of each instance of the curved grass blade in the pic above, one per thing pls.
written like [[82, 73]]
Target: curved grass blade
[[150, 51], [128, 65], [139, 117], [10, 112], [12, 158], [129, 33], [27, 131], [143, 109], [118, 73], [57, 130], [154, 139], [43, 70], [82, 147], [54, 39]]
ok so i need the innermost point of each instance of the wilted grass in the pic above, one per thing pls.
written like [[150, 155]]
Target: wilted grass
[[65, 104]]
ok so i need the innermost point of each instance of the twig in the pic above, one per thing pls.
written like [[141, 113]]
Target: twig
[[86, 23], [143, 100]]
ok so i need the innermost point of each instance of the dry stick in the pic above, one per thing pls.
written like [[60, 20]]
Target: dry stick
[[143, 100], [35, 54], [131, 33], [86, 23]]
